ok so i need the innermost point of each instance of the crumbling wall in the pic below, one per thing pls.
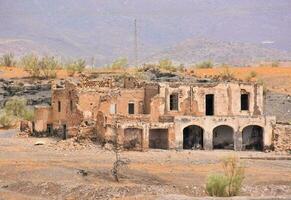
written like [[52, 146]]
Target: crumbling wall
[[151, 90], [43, 117], [282, 137], [227, 97]]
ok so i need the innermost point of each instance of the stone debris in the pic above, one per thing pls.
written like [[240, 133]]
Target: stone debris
[[74, 144]]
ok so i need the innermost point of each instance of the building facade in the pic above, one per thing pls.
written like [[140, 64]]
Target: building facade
[[164, 115]]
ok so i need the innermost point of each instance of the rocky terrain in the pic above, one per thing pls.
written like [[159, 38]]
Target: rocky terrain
[[36, 92]]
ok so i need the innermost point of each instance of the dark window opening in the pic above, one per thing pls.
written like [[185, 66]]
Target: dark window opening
[[193, 137], [50, 129], [174, 101], [223, 137], [252, 138], [209, 104], [244, 101], [59, 106], [71, 106], [131, 108], [64, 131]]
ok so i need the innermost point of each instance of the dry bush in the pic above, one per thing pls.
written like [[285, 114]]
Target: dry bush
[[204, 65], [251, 75], [234, 172], [7, 60], [40, 67], [226, 74], [77, 66], [120, 163]]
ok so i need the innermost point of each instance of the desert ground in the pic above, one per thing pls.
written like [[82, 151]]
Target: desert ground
[[71, 170]]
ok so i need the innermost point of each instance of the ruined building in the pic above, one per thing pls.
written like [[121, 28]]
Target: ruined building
[[160, 114]]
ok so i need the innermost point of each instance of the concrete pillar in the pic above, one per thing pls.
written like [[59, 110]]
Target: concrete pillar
[[178, 136], [207, 139], [237, 140], [145, 137], [171, 138]]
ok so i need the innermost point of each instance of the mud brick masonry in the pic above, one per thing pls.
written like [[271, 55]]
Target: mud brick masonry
[[160, 114]]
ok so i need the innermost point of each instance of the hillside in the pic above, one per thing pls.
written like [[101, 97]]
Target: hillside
[[235, 53], [104, 29]]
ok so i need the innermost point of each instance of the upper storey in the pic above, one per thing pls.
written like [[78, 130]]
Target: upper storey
[[156, 99]]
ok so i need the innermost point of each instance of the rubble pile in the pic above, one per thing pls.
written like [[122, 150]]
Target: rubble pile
[[74, 144]]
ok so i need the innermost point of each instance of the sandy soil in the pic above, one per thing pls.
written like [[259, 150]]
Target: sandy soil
[[52, 171], [276, 79]]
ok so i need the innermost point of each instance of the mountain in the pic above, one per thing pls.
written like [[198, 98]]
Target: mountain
[[196, 50], [105, 29]]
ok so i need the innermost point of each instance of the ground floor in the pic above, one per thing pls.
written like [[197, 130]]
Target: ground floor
[[205, 133], [184, 132]]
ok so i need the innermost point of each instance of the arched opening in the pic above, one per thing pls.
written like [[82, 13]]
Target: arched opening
[[132, 139], [252, 138], [193, 137], [223, 137]]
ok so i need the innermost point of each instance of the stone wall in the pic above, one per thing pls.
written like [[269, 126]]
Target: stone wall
[[282, 137]]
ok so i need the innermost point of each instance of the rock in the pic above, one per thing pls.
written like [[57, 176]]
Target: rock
[[39, 143]]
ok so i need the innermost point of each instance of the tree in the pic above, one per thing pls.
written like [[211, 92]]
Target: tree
[[48, 66], [75, 66], [15, 109], [119, 63], [167, 65], [30, 63], [45, 67], [119, 163], [7, 60]]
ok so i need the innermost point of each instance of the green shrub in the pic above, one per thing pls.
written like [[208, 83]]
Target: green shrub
[[7, 60], [204, 65], [40, 67], [28, 115], [15, 107], [6, 120], [229, 183], [216, 185], [48, 66], [30, 64], [119, 63], [167, 65], [76, 66]]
